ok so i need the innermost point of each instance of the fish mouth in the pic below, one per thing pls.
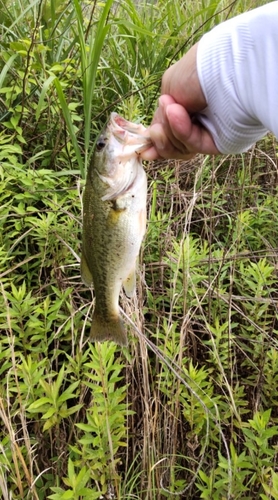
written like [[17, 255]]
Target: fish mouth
[[129, 133]]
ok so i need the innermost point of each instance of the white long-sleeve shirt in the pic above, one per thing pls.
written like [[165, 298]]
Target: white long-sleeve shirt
[[237, 64]]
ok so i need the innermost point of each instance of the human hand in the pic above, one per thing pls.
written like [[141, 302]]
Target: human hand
[[175, 132]]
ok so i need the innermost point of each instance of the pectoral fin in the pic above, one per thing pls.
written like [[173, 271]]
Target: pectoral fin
[[130, 284], [86, 274]]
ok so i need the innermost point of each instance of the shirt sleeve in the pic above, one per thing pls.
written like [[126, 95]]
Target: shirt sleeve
[[237, 64]]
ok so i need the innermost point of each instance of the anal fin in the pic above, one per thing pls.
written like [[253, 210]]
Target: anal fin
[[130, 284]]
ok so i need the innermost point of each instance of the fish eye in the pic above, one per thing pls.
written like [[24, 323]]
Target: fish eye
[[101, 143]]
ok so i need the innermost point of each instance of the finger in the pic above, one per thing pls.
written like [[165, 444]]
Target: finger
[[163, 132], [163, 102], [165, 147], [150, 154], [162, 135], [194, 137]]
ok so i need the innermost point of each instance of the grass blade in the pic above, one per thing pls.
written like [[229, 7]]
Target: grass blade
[[89, 62], [70, 127]]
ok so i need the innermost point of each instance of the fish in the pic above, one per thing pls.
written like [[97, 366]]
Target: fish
[[114, 223]]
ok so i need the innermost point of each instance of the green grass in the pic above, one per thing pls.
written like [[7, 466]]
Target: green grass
[[189, 409]]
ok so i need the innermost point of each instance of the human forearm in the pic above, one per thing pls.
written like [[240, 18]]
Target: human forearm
[[222, 95]]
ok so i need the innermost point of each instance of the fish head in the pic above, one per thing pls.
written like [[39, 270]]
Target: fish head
[[117, 159]]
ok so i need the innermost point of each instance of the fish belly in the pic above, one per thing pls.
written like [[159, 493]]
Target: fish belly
[[112, 236]]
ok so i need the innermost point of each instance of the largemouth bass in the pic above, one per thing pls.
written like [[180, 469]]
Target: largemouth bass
[[114, 222]]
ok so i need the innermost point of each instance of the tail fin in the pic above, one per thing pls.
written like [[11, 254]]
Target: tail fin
[[102, 330]]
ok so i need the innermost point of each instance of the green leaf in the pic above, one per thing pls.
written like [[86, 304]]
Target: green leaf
[[71, 473], [44, 90], [69, 411], [6, 68], [67, 394], [49, 413], [39, 403], [68, 495], [82, 479]]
